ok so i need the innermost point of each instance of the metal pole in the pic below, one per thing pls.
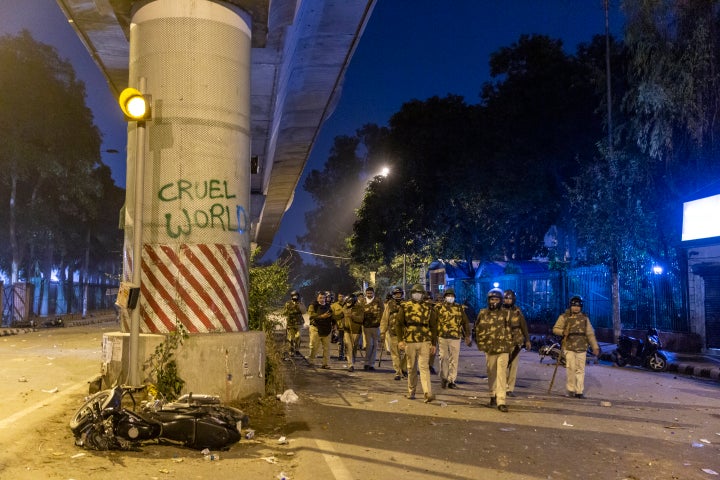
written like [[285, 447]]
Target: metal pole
[[139, 184]]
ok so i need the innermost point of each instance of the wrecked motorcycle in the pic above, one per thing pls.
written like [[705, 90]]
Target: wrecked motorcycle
[[194, 421], [552, 349], [645, 353]]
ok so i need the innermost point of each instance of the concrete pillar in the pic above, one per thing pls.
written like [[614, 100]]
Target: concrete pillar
[[194, 56]]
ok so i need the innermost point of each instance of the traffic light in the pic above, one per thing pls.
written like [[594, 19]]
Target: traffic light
[[135, 105]]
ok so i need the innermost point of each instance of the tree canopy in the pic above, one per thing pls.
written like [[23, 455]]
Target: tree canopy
[[60, 201]]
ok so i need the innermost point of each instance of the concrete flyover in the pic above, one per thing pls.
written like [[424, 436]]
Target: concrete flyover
[[300, 52]]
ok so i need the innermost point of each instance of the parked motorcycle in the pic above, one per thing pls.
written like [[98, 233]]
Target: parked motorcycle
[[194, 421], [646, 353]]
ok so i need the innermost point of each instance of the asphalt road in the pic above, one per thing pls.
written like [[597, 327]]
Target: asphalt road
[[635, 424]]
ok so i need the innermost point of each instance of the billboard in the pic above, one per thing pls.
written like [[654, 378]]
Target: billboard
[[701, 218]]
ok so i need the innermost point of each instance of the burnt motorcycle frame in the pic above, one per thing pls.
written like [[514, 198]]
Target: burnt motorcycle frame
[[103, 422]]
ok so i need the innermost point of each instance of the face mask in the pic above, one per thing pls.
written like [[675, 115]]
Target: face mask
[[417, 296], [450, 299]]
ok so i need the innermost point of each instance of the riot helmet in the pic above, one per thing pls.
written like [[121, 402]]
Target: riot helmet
[[495, 293], [294, 296], [397, 293], [576, 301], [508, 298]]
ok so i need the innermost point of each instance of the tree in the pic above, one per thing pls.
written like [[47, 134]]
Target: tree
[[673, 102], [50, 147], [486, 181]]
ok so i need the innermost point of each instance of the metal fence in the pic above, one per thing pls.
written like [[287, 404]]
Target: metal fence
[[23, 301], [646, 298]]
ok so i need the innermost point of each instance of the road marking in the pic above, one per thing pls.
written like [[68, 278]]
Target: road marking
[[337, 467], [54, 398]]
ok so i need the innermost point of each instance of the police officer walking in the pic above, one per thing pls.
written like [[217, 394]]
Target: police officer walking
[[373, 307], [577, 332], [520, 337], [294, 321], [353, 315], [321, 323], [494, 337], [453, 324], [417, 331], [338, 315], [388, 333]]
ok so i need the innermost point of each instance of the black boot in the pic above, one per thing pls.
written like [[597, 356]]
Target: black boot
[[493, 401]]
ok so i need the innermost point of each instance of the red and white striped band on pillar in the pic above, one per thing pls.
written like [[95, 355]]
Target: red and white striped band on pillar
[[200, 286]]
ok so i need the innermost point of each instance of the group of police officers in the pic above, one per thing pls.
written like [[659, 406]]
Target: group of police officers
[[416, 330]]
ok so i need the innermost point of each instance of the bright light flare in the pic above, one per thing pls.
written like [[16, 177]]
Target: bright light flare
[[385, 171], [134, 104]]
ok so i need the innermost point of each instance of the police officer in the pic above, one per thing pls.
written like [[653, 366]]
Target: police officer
[[338, 314], [417, 332], [353, 315], [453, 324], [577, 332], [294, 321], [520, 336], [321, 323], [494, 337], [373, 308], [388, 333]]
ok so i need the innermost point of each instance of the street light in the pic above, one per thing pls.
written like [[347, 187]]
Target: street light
[[136, 107], [657, 270]]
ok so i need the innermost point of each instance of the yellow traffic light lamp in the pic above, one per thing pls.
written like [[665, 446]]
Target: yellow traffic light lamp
[[135, 105]]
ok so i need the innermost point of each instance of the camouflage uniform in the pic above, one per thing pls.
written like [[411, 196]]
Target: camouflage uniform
[[520, 338], [494, 337], [577, 334], [453, 325], [373, 308], [388, 333], [417, 331], [294, 321]]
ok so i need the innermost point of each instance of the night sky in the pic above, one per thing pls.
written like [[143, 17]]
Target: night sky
[[410, 50]]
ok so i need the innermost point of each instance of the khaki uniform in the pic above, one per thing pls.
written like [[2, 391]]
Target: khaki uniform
[[578, 334], [453, 325], [494, 337], [338, 315], [416, 326], [352, 325], [387, 331], [294, 321], [520, 336]]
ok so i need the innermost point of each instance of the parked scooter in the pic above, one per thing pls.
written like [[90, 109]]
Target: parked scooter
[[194, 421], [647, 353]]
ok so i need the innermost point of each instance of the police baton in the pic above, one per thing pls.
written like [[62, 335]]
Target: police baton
[[557, 364]]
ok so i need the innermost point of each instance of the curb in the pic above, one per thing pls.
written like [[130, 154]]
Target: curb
[[695, 370], [4, 332]]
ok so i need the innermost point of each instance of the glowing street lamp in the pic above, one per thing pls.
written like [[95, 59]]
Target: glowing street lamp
[[657, 270], [136, 107]]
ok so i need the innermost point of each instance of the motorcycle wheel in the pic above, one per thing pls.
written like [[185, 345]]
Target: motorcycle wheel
[[85, 414], [657, 362]]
